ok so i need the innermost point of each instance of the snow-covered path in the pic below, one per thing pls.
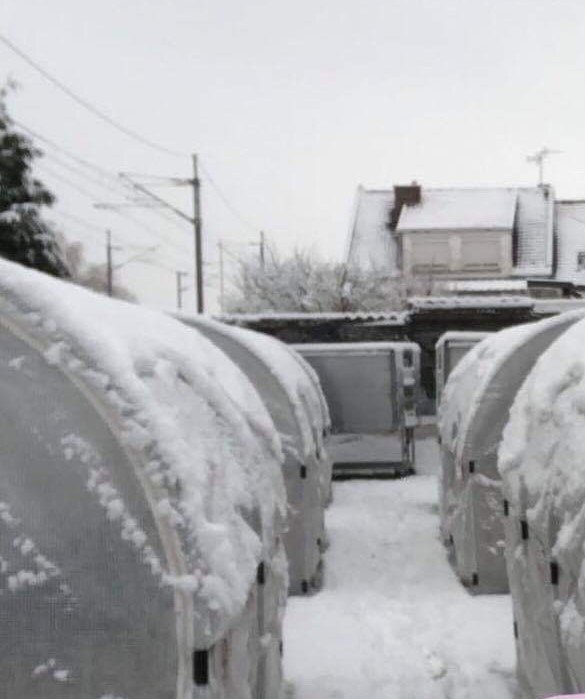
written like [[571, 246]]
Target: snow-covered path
[[392, 621]]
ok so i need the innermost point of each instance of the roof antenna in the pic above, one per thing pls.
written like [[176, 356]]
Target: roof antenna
[[538, 159]]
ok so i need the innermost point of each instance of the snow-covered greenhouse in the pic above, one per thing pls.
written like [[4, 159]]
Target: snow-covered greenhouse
[[141, 547], [542, 465], [296, 405], [473, 413], [372, 390]]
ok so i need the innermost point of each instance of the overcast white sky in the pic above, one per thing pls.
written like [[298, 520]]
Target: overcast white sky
[[293, 104]]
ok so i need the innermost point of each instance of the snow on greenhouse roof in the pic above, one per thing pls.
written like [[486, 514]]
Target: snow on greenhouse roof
[[466, 387], [542, 448], [189, 413], [453, 209], [292, 376]]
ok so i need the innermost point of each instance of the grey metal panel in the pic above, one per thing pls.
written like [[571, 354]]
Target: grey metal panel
[[92, 620], [359, 391], [450, 349], [371, 389]]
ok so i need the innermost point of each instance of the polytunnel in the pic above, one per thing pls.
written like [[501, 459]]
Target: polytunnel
[[371, 389], [543, 471], [294, 404], [141, 506], [450, 349], [473, 412]]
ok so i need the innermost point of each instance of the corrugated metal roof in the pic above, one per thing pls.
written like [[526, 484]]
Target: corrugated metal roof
[[397, 317], [454, 302], [460, 209], [570, 225]]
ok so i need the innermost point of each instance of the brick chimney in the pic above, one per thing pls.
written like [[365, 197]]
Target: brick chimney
[[404, 195]]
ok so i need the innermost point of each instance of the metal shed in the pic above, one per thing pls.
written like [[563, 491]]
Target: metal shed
[[473, 413], [542, 468], [371, 390], [294, 404], [126, 498]]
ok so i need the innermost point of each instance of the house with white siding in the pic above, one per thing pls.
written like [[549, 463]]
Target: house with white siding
[[466, 234]]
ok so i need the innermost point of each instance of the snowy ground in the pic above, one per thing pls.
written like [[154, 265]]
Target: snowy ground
[[392, 621]]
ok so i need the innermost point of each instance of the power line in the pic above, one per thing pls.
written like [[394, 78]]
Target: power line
[[87, 105], [82, 161], [163, 181], [225, 200], [92, 196]]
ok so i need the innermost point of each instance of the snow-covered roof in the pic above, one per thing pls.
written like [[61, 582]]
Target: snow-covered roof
[[528, 211], [454, 302], [188, 414], [534, 232], [570, 225], [394, 317], [370, 244], [492, 285], [460, 209]]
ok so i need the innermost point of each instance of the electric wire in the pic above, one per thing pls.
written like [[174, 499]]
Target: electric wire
[[87, 105]]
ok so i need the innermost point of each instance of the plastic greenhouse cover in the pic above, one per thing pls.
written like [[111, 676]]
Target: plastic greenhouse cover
[[155, 374]]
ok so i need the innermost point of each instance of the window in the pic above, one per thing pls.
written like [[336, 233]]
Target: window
[[581, 261]]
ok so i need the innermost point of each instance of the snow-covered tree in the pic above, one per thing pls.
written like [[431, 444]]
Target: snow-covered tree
[[303, 283], [24, 236]]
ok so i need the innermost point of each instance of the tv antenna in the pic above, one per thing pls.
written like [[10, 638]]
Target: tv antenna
[[538, 159]]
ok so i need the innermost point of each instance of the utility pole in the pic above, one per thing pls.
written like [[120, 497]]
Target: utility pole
[[180, 289], [262, 256], [109, 263], [194, 220], [197, 232], [221, 278]]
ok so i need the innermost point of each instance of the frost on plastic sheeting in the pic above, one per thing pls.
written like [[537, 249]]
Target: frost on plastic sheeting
[[543, 470], [39, 569], [206, 442]]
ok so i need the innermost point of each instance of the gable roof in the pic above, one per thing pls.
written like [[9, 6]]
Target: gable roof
[[528, 210], [370, 244], [457, 209]]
